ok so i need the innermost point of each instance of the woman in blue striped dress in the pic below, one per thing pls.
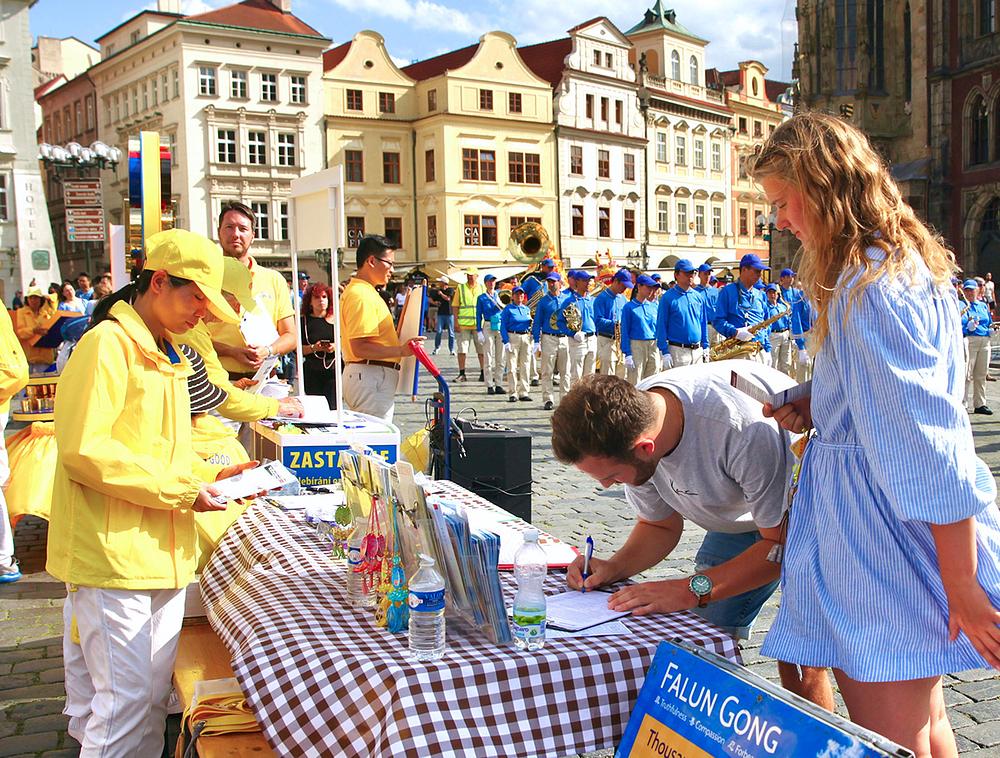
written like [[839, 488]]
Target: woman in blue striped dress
[[891, 573]]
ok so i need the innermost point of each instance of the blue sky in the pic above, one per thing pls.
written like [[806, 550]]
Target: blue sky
[[417, 29]]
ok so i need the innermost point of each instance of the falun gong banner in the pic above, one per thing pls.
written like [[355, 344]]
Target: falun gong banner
[[694, 704]]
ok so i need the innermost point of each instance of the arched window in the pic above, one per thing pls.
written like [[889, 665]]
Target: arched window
[[907, 53], [979, 132], [846, 44], [987, 17], [876, 45], [693, 68], [675, 65], [991, 218]]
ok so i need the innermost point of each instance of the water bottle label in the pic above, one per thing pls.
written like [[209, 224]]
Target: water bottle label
[[428, 602], [353, 556], [528, 627]]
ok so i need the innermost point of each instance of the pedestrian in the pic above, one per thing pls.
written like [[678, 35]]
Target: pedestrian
[[581, 347], [549, 333], [638, 332], [33, 322], [368, 336], [320, 364], [102, 288], [707, 287], [488, 309], [441, 297], [682, 320], [891, 574], [84, 290], [515, 331], [976, 332], [68, 301], [989, 294], [689, 447], [18, 300], [608, 305], [741, 305], [464, 305], [781, 343], [127, 484], [13, 378]]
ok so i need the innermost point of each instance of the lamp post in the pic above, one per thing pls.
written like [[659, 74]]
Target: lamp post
[[766, 228], [644, 102]]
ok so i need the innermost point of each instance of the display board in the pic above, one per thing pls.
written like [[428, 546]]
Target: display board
[[410, 325]]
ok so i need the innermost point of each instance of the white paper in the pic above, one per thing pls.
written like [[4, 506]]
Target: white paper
[[257, 328], [264, 373], [247, 483], [275, 388], [574, 610], [752, 389], [601, 630], [301, 502], [510, 529], [315, 410]]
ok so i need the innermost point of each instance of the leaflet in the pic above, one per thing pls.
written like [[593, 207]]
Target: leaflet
[[574, 610], [270, 476], [750, 387]]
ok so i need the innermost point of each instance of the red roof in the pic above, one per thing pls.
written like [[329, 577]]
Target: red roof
[[333, 56], [434, 66], [774, 88], [256, 14], [578, 27], [546, 58], [730, 78]]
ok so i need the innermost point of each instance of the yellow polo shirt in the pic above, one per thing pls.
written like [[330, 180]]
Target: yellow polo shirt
[[270, 290], [363, 313]]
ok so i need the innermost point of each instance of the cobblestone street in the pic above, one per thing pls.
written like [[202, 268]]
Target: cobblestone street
[[565, 502]]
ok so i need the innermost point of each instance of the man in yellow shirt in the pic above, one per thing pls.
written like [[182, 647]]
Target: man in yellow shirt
[[237, 226], [370, 344]]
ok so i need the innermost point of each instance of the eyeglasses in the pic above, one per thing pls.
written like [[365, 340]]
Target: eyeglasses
[[386, 261]]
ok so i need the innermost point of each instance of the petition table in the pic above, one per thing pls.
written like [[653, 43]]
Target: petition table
[[323, 680]]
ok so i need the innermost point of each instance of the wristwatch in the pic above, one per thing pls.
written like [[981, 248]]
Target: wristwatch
[[701, 587], [270, 351]]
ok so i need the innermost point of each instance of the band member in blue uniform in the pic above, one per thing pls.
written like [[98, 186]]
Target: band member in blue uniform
[[515, 331], [488, 309], [976, 330], [781, 342], [582, 345], [550, 343], [639, 332], [608, 305], [682, 320], [740, 305]]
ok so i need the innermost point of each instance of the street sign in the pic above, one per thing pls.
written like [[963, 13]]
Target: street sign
[[85, 224], [82, 193]]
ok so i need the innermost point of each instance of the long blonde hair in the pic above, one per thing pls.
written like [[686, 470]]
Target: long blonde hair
[[851, 203]]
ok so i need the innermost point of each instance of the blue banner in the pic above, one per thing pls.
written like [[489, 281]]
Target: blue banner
[[318, 464]]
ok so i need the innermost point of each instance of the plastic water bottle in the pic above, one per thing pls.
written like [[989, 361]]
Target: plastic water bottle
[[426, 603], [356, 594], [530, 568]]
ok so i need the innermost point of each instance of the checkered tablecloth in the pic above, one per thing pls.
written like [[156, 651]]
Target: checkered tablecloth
[[324, 681]]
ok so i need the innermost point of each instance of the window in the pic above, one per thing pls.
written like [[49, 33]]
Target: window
[[876, 45], [604, 164], [90, 112], [743, 167], [524, 168], [355, 229], [699, 153], [619, 110], [744, 222], [134, 37], [432, 231], [516, 221], [699, 219], [297, 91], [135, 106], [717, 221], [286, 149], [675, 65], [386, 102], [629, 167], [354, 166], [680, 148], [609, 60], [177, 83], [682, 217], [485, 99], [394, 231], [979, 138], [716, 156], [481, 231], [590, 106], [907, 54], [576, 159], [514, 102], [661, 147], [603, 222], [78, 116], [758, 128], [846, 44], [663, 215], [4, 213], [428, 165], [605, 108], [225, 146], [269, 88], [577, 220], [432, 99], [390, 168], [164, 92], [987, 17], [261, 211], [693, 69], [282, 221], [155, 92], [629, 224], [238, 85], [597, 57], [742, 125], [355, 100], [770, 128], [479, 165], [257, 148]]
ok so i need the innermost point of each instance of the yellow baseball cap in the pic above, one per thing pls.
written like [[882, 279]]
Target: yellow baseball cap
[[472, 271], [34, 292], [191, 256], [236, 282]]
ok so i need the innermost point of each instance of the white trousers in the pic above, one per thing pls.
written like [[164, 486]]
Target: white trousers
[[118, 677], [685, 356], [607, 356], [518, 364], [977, 369], [6, 532], [803, 369], [554, 358], [581, 357], [492, 357], [370, 389], [781, 352], [646, 358], [465, 337]]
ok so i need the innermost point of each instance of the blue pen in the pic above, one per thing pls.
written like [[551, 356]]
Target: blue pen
[[587, 555]]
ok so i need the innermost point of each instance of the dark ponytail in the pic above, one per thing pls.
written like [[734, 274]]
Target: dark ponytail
[[128, 294]]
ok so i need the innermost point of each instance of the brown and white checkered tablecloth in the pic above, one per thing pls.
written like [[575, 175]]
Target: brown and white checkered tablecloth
[[324, 681]]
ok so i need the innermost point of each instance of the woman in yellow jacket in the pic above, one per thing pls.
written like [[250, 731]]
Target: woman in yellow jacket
[[122, 532], [13, 376], [32, 320]]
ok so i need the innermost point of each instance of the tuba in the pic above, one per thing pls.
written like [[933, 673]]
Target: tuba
[[529, 242], [733, 348]]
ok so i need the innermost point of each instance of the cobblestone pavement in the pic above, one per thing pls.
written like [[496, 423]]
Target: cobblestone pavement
[[565, 502]]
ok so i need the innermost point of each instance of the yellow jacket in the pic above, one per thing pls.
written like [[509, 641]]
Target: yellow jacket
[[127, 474], [26, 323], [13, 364], [239, 405]]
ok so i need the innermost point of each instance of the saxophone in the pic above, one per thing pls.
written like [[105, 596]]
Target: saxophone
[[733, 348]]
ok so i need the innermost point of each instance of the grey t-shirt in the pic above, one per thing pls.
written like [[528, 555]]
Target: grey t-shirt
[[730, 470]]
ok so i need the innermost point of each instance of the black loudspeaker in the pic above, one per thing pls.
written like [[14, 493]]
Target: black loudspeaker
[[496, 465]]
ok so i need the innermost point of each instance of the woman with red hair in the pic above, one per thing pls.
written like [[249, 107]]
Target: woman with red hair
[[320, 366]]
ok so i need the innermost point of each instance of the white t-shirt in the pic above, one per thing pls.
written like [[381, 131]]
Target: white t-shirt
[[731, 468], [989, 291]]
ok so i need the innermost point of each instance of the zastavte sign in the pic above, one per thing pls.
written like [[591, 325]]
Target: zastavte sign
[[694, 704]]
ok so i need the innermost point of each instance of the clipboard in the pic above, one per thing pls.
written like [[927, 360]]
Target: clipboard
[[53, 337]]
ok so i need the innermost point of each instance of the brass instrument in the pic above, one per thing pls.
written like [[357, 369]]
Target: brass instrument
[[574, 321], [529, 242], [734, 348]]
